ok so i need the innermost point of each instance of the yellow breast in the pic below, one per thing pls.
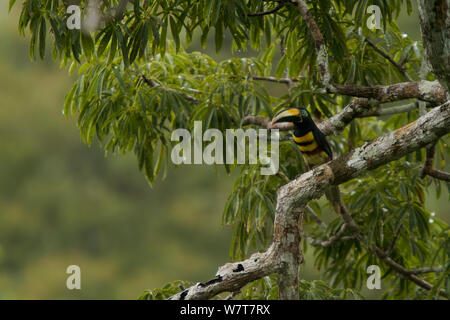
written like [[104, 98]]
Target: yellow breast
[[306, 143], [306, 138], [311, 152]]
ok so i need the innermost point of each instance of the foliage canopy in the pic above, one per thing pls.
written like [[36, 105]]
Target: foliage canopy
[[138, 81]]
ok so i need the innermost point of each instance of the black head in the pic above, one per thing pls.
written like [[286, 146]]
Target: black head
[[293, 115]]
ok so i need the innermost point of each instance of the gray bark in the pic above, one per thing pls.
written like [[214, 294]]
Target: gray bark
[[281, 256], [435, 25]]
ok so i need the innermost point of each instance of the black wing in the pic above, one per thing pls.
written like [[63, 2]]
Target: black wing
[[322, 142]]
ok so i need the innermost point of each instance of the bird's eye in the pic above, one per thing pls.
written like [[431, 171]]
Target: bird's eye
[[304, 113]]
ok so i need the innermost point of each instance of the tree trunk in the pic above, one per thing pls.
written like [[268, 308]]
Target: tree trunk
[[435, 27]]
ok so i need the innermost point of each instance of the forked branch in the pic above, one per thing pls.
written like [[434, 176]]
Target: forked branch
[[311, 185]]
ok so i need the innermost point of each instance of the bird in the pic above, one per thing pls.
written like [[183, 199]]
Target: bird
[[312, 143]]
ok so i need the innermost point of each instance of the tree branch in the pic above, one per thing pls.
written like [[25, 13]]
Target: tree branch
[[333, 125], [440, 175], [338, 122], [426, 270], [435, 26], [384, 256], [256, 120], [276, 80], [282, 255], [427, 168], [152, 83], [315, 217], [274, 10], [394, 240], [399, 67], [358, 108], [95, 17], [339, 236], [403, 271], [233, 276], [423, 90], [380, 112], [319, 41], [430, 91]]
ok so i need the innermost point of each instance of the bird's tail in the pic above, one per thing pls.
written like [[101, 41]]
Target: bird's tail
[[333, 195]]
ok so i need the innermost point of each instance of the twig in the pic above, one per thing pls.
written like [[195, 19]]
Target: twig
[[319, 41], [315, 217], [440, 175], [423, 90], [427, 168], [152, 83], [403, 271], [384, 256], [380, 112], [426, 270], [256, 120], [264, 13], [232, 295], [149, 82], [339, 236], [394, 240], [400, 68], [276, 80]]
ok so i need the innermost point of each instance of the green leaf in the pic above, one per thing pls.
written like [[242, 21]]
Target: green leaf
[[104, 42], [204, 37], [123, 46], [219, 36], [42, 36], [281, 67], [112, 49], [87, 44], [134, 44], [120, 79], [175, 33], [11, 4], [68, 101], [144, 41], [155, 32], [268, 32]]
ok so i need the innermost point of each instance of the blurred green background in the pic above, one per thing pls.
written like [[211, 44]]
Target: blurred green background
[[62, 203]]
